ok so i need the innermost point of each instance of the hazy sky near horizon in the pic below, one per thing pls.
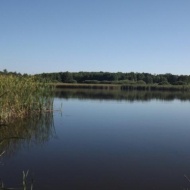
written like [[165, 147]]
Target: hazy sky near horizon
[[95, 35]]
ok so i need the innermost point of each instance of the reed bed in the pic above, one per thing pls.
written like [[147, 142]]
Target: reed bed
[[141, 87], [87, 86], [154, 87], [22, 96]]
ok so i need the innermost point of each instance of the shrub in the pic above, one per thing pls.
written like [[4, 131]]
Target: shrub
[[141, 82], [164, 83], [179, 83]]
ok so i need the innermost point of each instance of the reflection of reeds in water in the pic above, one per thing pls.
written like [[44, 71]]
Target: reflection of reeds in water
[[25, 184], [21, 96], [37, 129], [26, 115], [122, 95]]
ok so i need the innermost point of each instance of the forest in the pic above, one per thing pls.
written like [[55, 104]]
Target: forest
[[116, 78]]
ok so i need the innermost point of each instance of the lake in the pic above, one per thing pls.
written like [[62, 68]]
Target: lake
[[102, 140]]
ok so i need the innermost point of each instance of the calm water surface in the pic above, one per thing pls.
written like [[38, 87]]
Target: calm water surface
[[102, 140]]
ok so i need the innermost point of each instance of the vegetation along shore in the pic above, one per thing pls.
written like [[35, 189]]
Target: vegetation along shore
[[122, 81], [145, 87], [117, 78], [21, 96]]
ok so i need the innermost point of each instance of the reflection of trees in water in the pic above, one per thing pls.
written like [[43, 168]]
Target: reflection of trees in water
[[35, 130], [122, 95]]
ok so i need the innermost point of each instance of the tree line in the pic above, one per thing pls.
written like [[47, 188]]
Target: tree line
[[116, 78], [6, 72], [109, 77]]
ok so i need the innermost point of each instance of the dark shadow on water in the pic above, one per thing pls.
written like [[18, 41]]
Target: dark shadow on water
[[121, 95]]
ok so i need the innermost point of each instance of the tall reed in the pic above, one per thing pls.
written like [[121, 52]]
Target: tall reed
[[22, 96]]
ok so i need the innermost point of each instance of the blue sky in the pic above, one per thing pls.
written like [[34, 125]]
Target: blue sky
[[95, 35]]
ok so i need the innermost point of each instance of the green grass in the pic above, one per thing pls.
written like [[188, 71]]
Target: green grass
[[22, 96]]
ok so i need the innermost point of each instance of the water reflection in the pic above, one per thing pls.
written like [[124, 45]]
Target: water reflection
[[37, 129], [103, 144], [121, 95]]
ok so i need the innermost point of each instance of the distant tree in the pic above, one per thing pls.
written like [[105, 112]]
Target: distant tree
[[132, 76], [171, 78], [180, 83], [5, 71], [140, 76], [163, 79], [25, 75], [148, 79], [183, 78], [67, 77]]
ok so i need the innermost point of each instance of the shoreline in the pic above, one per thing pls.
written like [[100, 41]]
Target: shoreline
[[124, 87]]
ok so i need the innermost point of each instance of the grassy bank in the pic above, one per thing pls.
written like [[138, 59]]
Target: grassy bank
[[22, 96], [125, 87]]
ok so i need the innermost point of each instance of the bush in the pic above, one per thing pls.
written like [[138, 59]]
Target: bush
[[141, 82], [73, 81], [180, 83], [91, 81], [164, 83]]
